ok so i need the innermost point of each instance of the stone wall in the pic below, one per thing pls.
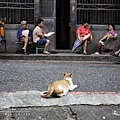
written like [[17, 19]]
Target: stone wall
[[11, 31], [98, 31]]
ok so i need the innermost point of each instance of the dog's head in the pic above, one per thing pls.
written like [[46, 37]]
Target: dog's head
[[67, 75]]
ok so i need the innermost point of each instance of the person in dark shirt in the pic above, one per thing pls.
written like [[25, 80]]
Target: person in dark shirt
[[24, 34]]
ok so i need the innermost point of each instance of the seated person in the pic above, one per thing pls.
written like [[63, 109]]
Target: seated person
[[39, 36], [111, 34], [84, 36], [2, 33], [1, 22], [24, 34]]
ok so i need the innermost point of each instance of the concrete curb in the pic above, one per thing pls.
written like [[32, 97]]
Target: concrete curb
[[59, 56], [32, 98]]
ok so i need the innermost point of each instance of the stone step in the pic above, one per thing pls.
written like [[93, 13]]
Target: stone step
[[60, 56]]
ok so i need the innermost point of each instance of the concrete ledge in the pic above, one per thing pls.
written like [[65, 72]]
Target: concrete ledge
[[32, 98], [59, 56]]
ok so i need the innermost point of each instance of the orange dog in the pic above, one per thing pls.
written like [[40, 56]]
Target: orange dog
[[60, 87]]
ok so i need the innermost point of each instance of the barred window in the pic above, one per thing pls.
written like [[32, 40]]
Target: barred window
[[47, 8], [13, 11], [98, 11]]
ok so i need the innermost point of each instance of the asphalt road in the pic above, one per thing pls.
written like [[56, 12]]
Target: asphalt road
[[36, 75]]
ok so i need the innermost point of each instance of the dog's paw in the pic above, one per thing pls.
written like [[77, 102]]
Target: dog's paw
[[73, 87]]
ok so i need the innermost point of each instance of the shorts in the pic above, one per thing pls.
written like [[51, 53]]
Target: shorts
[[22, 39], [41, 41]]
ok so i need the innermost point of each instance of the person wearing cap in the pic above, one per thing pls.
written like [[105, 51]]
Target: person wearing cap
[[84, 36], [110, 34], [39, 36], [24, 34]]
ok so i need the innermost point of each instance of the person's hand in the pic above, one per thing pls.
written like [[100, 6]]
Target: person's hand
[[81, 39], [89, 41], [22, 36]]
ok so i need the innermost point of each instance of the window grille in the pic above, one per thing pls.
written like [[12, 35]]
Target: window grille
[[14, 11], [47, 8], [98, 11]]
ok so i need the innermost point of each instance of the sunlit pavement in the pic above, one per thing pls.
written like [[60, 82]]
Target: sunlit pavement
[[96, 98]]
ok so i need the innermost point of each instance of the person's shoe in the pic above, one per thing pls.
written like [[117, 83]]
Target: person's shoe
[[116, 55], [97, 53], [46, 52], [84, 53], [118, 62], [27, 53], [24, 53]]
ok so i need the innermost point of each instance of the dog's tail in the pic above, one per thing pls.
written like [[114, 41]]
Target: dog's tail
[[43, 93], [46, 94]]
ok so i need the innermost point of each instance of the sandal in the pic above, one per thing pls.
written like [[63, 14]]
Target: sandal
[[116, 55], [46, 52], [97, 53], [85, 53]]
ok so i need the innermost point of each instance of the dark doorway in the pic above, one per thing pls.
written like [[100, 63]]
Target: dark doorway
[[62, 24]]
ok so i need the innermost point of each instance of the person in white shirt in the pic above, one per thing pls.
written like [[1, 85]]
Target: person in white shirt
[[39, 36]]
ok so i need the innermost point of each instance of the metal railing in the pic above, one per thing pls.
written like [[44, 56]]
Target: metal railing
[[13, 11], [98, 11]]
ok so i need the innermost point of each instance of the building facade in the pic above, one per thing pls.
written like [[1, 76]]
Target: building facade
[[61, 16]]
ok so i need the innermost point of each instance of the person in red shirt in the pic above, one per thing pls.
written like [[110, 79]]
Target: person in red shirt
[[84, 36]]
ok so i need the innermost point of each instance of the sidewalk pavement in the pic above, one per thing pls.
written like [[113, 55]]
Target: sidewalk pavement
[[32, 98], [28, 105]]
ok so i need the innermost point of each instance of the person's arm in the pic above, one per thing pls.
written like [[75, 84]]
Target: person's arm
[[78, 33], [112, 37], [41, 36], [78, 36], [91, 38], [19, 34], [115, 36], [41, 33]]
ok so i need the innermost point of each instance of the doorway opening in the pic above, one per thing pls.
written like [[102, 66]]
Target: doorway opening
[[63, 24]]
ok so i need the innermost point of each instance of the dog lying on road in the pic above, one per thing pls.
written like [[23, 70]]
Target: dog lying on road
[[60, 87]]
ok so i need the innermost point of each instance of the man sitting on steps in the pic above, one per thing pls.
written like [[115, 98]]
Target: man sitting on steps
[[24, 34], [39, 36]]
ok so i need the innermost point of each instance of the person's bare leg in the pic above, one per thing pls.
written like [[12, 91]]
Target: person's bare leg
[[46, 46], [98, 48], [25, 44], [85, 47]]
